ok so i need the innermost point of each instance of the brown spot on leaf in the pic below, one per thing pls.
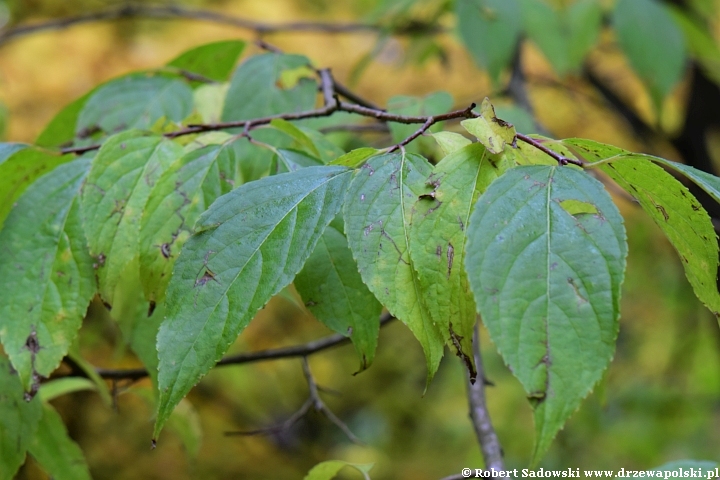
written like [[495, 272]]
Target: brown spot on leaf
[[450, 257], [206, 277], [151, 308]]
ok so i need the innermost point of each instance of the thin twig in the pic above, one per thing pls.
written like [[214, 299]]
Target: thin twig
[[322, 408], [280, 427], [172, 12], [331, 105], [294, 351], [479, 414], [314, 401]]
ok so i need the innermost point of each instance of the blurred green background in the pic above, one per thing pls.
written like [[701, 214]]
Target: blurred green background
[[659, 401]]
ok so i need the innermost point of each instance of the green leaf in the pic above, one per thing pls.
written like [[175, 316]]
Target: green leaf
[[256, 89], [62, 386], [185, 422], [547, 285], [491, 131], [85, 366], [209, 101], [355, 158], [186, 189], [247, 247], [671, 206], [61, 129], [333, 291], [378, 212], [55, 451], [118, 186], [490, 30], [213, 60], [303, 141], [18, 421], [329, 469], [700, 40], [46, 275], [449, 142], [564, 35], [432, 104], [135, 101], [437, 241], [653, 44], [291, 160], [20, 166]]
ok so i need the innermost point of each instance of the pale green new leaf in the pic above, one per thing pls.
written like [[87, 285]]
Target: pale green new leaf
[[449, 142], [248, 246], [135, 101], [55, 451], [547, 285], [46, 275], [213, 60], [653, 44], [329, 469], [333, 291], [18, 421], [118, 186], [437, 241], [302, 139], [378, 211], [490, 30], [62, 386], [185, 190], [257, 90], [20, 166], [355, 158], [491, 131], [671, 206]]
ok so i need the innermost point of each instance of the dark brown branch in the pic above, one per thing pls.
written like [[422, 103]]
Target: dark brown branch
[[294, 351], [479, 414], [331, 105], [174, 12]]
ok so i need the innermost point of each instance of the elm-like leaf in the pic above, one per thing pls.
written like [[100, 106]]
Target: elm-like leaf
[[213, 60], [333, 291], [378, 211], [20, 166], [672, 207], [653, 43], [54, 450], [490, 30], [437, 241], [185, 190], [247, 247], [118, 186], [18, 421], [547, 285], [257, 90], [46, 274]]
